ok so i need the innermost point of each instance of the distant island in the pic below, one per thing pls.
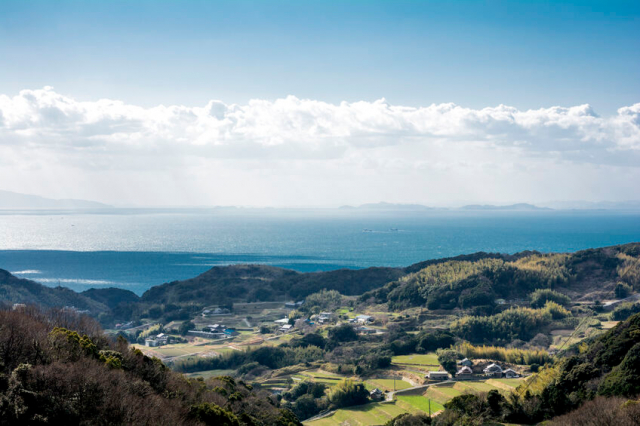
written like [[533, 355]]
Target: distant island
[[16, 201], [388, 206], [512, 207]]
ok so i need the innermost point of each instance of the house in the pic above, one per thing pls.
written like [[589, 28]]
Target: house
[[151, 342], [285, 328], [364, 319], [365, 330], [230, 332], [208, 334], [19, 306], [437, 375], [510, 374], [162, 339], [493, 370], [217, 328], [282, 321], [464, 372], [293, 305], [216, 311], [324, 317], [466, 362], [376, 394]]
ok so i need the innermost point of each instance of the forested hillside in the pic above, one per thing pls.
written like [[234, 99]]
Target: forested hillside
[[595, 381], [264, 283], [477, 284], [60, 369], [17, 290]]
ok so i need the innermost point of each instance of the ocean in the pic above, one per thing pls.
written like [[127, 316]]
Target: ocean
[[137, 249]]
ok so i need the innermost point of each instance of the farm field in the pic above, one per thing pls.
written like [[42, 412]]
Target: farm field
[[441, 394], [182, 349], [430, 359], [474, 387], [210, 373], [368, 414], [387, 384], [420, 403], [507, 384]]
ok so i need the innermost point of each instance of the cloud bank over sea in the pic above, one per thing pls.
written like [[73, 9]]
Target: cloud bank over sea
[[222, 153]]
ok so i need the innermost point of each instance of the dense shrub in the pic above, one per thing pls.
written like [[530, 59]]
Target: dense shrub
[[515, 323], [541, 296], [348, 393], [625, 310], [497, 353]]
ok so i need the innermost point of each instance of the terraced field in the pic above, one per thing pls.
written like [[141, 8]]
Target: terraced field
[[183, 350], [506, 384], [319, 376], [210, 373], [442, 394], [368, 414], [387, 384], [473, 387], [419, 403], [430, 360]]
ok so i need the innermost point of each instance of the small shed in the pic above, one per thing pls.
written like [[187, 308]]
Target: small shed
[[437, 375], [376, 394]]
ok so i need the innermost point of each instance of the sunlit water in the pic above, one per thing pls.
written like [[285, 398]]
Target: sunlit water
[[137, 249]]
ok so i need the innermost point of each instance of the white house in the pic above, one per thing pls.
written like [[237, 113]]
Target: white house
[[493, 370], [510, 374], [376, 394], [282, 321], [465, 371], [286, 328], [364, 319]]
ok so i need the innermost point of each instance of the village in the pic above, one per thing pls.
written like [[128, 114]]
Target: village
[[409, 384]]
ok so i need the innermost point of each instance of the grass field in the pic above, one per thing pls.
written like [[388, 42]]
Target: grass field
[[368, 414], [473, 387], [182, 349], [210, 373], [423, 359], [442, 394], [386, 384], [421, 403], [506, 384]]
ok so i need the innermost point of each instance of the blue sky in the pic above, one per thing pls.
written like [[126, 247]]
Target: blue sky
[[320, 103], [475, 53]]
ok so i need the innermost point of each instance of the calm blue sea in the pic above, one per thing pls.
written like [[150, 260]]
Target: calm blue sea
[[137, 249]]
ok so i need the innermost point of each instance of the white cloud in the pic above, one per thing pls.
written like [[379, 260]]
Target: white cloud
[[42, 131]]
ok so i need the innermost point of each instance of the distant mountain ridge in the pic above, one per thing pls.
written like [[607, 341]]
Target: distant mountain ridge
[[387, 206], [593, 205], [16, 201], [512, 207]]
